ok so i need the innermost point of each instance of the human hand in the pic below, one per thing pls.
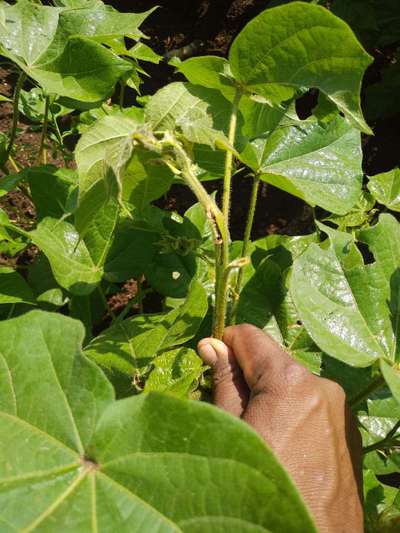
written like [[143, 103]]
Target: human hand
[[303, 418]]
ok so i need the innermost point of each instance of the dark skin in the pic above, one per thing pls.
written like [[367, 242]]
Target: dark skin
[[302, 417]]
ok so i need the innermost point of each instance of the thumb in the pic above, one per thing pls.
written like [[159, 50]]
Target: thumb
[[230, 390]]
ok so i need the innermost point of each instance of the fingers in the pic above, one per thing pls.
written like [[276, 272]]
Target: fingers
[[263, 362], [230, 390]]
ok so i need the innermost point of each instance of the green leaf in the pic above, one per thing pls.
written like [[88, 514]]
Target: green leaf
[[124, 260], [212, 72], [70, 261], [130, 345], [201, 114], [97, 216], [13, 288], [83, 458], [45, 288], [145, 179], [52, 46], [142, 52], [107, 143], [339, 298], [299, 45], [392, 378], [54, 190], [176, 372], [320, 163], [266, 302], [385, 188]]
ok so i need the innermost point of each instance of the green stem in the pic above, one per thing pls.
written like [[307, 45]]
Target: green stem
[[387, 442], [226, 198], [375, 384], [221, 236], [42, 157], [14, 126], [222, 272], [245, 246]]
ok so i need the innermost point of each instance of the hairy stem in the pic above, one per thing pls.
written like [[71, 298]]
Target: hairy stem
[[226, 198], [42, 156], [375, 384], [14, 126], [222, 271], [245, 246]]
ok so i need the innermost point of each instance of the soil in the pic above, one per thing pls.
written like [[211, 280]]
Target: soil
[[210, 25]]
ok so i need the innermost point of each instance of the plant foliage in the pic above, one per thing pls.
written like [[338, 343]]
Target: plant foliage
[[71, 455]]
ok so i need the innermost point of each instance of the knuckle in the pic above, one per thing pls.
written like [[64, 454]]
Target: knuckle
[[222, 374], [246, 329], [334, 390]]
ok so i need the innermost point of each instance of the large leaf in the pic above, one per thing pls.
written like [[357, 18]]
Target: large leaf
[[53, 46], [320, 163], [299, 45], [70, 261], [130, 345], [74, 459], [385, 188], [350, 309]]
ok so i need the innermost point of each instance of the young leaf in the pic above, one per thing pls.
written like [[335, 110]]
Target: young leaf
[[13, 288], [385, 188], [175, 371], [129, 346], [201, 114], [84, 458], [209, 71], [70, 261], [299, 45]]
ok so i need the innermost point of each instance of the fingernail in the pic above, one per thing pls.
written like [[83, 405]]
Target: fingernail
[[207, 353]]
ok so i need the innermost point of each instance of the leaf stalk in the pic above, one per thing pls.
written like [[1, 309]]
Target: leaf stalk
[[17, 93], [245, 246]]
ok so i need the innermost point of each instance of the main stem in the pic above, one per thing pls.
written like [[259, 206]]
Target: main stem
[[226, 198], [222, 248], [14, 126], [42, 157], [245, 246]]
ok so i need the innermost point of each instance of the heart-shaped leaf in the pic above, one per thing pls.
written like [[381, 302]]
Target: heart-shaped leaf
[[350, 309], [55, 45], [318, 162], [74, 458], [299, 45]]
